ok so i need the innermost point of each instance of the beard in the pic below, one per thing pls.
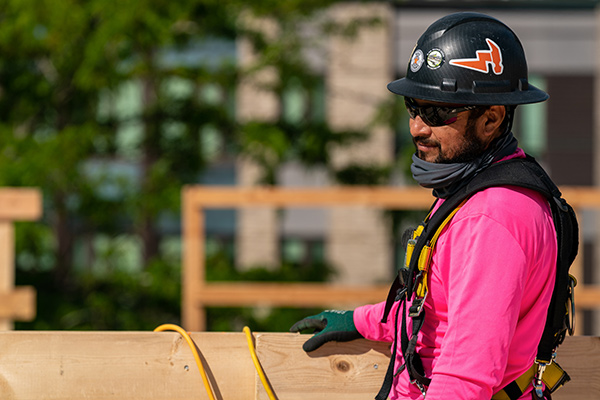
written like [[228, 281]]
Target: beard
[[471, 147]]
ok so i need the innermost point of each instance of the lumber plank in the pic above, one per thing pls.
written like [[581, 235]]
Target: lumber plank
[[581, 196], [587, 296], [121, 365], [407, 197], [580, 357], [20, 204], [349, 371], [18, 304], [152, 366], [193, 268], [16, 204], [7, 265], [412, 197], [226, 294]]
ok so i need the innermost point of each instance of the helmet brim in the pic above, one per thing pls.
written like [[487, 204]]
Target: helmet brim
[[408, 88]]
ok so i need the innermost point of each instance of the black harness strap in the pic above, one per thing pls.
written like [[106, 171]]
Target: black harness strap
[[389, 374], [412, 360], [513, 390]]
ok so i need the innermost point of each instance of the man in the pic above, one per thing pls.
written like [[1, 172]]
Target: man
[[487, 287]]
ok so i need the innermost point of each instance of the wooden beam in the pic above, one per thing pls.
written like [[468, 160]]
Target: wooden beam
[[7, 264], [16, 204], [19, 304], [580, 196], [288, 294], [152, 366], [408, 197], [385, 197], [356, 369], [580, 357], [121, 365], [349, 371], [20, 204], [587, 296], [193, 268]]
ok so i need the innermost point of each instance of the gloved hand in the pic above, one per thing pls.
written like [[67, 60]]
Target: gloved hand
[[330, 325]]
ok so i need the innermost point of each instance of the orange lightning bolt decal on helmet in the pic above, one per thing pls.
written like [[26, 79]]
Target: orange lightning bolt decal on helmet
[[484, 59]]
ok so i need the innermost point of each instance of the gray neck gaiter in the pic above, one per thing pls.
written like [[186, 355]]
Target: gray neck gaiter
[[446, 179]]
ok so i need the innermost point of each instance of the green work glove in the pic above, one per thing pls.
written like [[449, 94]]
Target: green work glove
[[330, 325]]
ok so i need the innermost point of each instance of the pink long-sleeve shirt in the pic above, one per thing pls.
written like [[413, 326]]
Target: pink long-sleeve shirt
[[490, 283]]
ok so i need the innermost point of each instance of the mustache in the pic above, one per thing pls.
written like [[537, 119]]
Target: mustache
[[425, 141]]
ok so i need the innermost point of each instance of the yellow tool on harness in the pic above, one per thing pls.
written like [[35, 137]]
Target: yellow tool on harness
[[425, 256]]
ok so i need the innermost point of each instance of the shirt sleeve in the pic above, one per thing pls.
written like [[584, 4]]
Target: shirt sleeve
[[367, 320], [485, 273]]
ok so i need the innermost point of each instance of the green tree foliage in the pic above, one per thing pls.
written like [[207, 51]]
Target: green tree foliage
[[108, 107]]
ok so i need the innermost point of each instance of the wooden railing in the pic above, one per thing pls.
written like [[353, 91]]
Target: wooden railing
[[198, 293], [16, 303]]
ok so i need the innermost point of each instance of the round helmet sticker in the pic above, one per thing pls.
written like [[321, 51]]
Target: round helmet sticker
[[416, 61], [435, 58]]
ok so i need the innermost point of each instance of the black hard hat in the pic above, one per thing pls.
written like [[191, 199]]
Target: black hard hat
[[468, 58]]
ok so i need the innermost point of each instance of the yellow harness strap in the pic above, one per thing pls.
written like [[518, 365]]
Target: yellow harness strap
[[426, 252], [553, 378]]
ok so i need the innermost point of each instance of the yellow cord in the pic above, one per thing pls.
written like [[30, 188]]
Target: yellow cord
[[261, 374], [188, 339], [192, 345]]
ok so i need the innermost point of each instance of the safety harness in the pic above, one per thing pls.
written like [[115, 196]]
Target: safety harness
[[411, 283]]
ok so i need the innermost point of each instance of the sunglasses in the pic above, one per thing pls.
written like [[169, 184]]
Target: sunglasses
[[434, 115]]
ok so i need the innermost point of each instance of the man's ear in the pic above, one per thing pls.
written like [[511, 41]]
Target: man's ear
[[493, 120]]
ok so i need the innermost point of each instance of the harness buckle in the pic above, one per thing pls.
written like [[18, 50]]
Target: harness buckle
[[538, 384], [400, 294], [417, 306], [420, 386]]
